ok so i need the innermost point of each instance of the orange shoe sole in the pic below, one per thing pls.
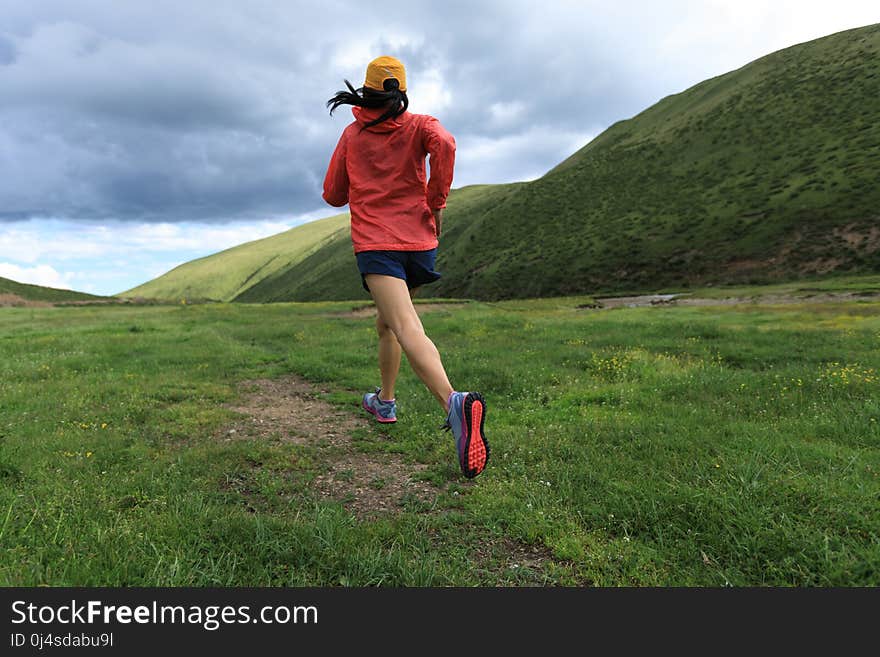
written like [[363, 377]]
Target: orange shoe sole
[[475, 454]]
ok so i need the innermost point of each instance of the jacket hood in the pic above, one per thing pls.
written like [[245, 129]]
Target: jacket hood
[[364, 115]]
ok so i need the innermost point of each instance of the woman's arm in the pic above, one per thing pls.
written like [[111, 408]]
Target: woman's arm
[[441, 148], [336, 180]]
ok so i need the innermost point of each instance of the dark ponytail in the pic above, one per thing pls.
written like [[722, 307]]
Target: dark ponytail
[[392, 97]]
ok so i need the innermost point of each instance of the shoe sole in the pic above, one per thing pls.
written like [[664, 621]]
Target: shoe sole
[[376, 415], [475, 454]]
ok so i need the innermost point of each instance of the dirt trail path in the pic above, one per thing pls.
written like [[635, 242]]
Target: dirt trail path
[[371, 484], [290, 409]]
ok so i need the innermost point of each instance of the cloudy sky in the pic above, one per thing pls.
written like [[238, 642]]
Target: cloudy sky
[[136, 135]]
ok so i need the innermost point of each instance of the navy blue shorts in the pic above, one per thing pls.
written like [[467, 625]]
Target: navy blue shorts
[[415, 267]]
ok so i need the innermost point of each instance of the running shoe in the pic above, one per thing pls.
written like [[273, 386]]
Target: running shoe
[[467, 411], [385, 411]]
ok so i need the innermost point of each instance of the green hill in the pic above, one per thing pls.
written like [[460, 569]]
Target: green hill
[[331, 272], [224, 275], [767, 173], [14, 293]]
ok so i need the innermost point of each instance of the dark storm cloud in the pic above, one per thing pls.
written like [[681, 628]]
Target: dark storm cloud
[[215, 111]]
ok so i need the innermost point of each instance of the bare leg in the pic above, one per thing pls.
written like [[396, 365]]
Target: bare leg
[[389, 358], [396, 311], [389, 355]]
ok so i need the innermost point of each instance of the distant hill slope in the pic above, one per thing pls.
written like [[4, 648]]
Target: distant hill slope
[[224, 275], [767, 173], [12, 292], [331, 272]]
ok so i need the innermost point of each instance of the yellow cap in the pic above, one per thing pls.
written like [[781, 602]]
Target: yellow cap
[[382, 68]]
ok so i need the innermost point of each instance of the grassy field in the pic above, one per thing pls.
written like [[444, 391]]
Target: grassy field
[[642, 446]]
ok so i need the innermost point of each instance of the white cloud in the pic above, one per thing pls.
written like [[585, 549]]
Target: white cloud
[[431, 94], [106, 259], [167, 237], [60, 240], [504, 115], [505, 158], [728, 34], [39, 275]]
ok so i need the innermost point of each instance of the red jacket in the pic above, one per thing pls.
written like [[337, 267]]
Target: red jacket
[[380, 173]]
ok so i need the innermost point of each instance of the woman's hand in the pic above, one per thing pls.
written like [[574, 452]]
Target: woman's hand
[[438, 220]]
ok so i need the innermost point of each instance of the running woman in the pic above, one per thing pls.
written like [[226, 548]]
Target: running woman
[[378, 169]]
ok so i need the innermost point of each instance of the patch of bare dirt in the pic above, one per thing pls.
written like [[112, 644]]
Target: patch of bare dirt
[[9, 299], [775, 299], [421, 308], [527, 562], [633, 301], [15, 301], [370, 485], [644, 300], [290, 409], [866, 240], [746, 265], [860, 237], [821, 265], [94, 302]]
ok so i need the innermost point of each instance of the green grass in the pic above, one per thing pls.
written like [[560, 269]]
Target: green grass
[[765, 174], [30, 292], [649, 446]]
